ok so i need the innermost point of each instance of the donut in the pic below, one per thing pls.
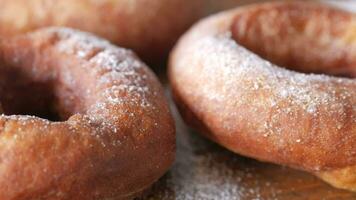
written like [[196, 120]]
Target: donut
[[146, 26], [83, 119], [142, 25], [227, 82]]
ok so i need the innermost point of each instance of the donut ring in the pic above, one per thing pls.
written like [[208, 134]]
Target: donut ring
[[133, 24], [128, 23], [260, 110], [116, 135]]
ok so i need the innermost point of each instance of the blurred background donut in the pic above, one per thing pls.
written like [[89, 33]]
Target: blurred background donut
[[149, 27]]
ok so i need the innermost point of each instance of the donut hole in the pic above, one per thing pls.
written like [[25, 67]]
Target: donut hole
[[38, 80], [39, 91], [22, 95], [300, 37]]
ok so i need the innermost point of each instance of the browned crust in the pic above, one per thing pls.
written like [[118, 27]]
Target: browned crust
[[119, 137], [259, 110], [280, 34], [142, 25], [149, 27]]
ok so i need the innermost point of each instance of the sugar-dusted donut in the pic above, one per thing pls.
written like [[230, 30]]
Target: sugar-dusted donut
[[225, 87], [113, 135]]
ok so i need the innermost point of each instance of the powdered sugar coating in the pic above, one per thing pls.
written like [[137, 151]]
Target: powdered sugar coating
[[205, 171], [117, 69], [114, 114], [258, 109], [297, 89]]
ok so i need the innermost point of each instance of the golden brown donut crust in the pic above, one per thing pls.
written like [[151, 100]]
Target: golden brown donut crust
[[146, 26], [149, 27], [260, 110], [116, 136]]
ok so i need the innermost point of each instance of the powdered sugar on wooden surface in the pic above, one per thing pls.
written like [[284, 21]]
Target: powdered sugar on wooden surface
[[204, 171]]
